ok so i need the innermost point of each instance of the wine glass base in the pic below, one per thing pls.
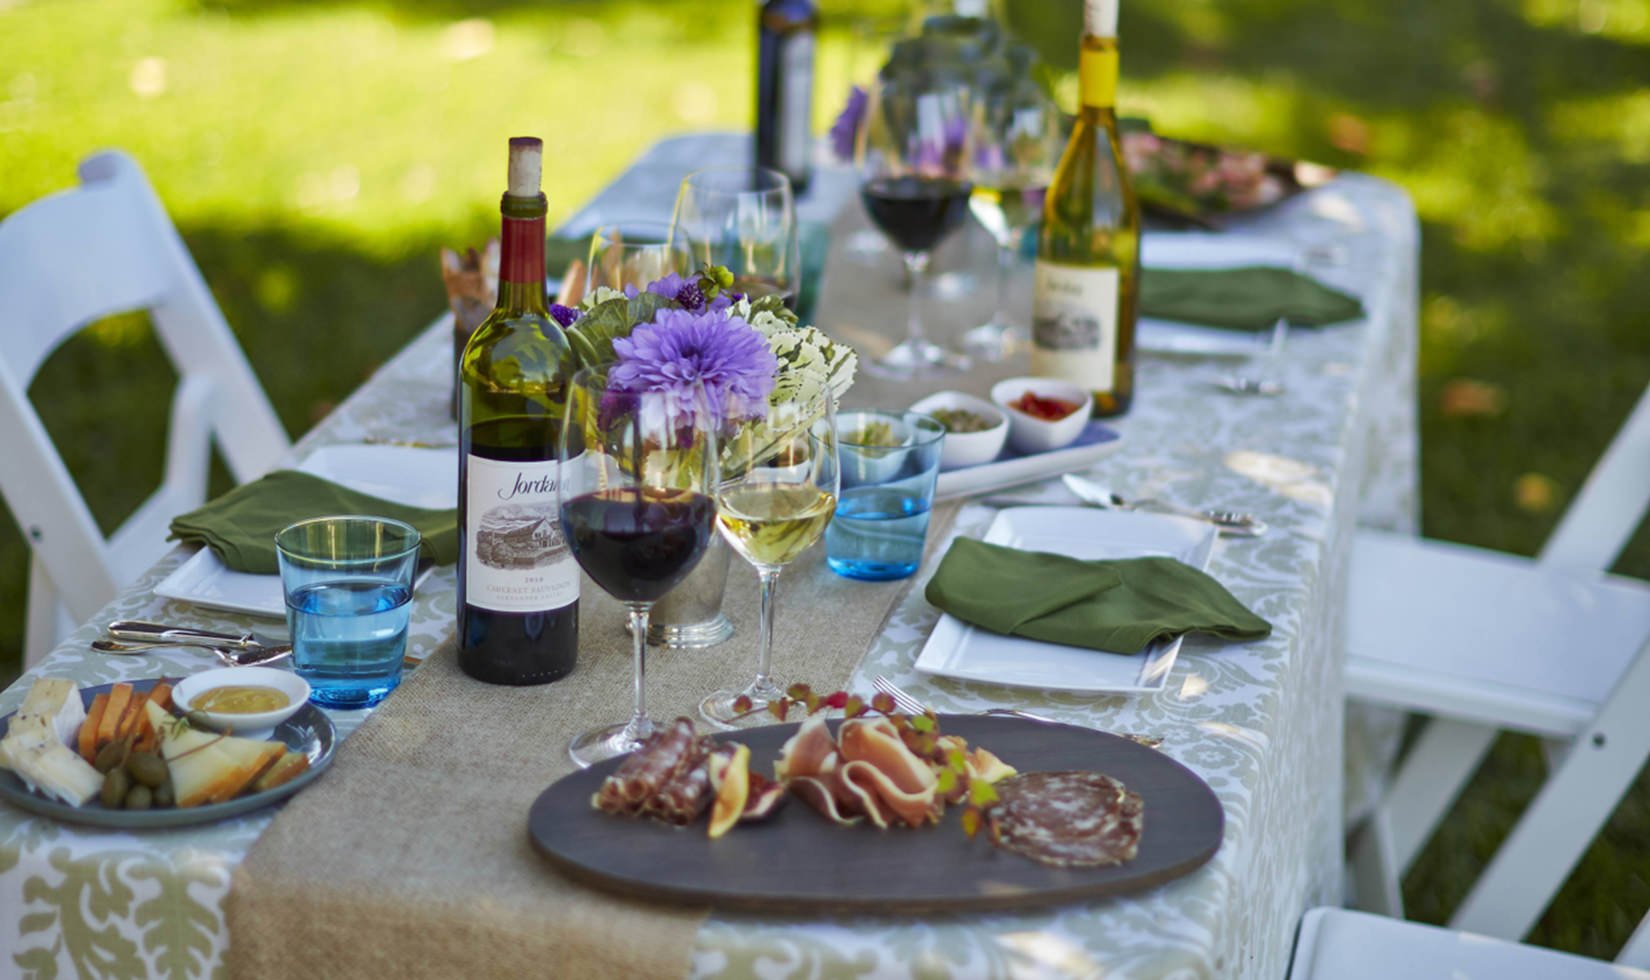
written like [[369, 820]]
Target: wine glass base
[[718, 708], [994, 341], [916, 359], [608, 743]]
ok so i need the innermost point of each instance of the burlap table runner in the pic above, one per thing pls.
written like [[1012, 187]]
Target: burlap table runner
[[411, 856]]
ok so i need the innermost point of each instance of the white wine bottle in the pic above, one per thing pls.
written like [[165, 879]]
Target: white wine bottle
[[518, 585], [1088, 252]]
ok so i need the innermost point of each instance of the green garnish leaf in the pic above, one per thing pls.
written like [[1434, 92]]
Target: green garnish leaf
[[981, 793], [971, 820], [924, 723], [945, 782]]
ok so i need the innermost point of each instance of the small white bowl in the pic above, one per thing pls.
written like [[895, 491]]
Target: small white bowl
[[252, 725], [962, 449], [861, 465], [1033, 435]]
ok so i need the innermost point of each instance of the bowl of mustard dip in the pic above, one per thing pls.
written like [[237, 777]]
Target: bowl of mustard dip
[[248, 701]]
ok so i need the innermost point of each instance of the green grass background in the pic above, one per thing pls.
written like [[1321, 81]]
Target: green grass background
[[316, 154]]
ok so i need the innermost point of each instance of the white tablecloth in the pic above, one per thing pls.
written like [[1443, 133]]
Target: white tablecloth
[[1262, 723]]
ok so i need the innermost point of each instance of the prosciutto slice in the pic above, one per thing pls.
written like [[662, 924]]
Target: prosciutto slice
[[881, 767], [645, 771], [1068, 819]]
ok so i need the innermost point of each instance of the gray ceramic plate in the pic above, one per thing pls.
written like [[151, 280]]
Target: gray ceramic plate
[[309, 731]]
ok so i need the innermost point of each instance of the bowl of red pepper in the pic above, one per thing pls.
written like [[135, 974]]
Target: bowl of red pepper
[[1043, 413]]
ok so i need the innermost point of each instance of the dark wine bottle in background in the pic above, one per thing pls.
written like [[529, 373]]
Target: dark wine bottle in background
[[785, 87], [518, 585]]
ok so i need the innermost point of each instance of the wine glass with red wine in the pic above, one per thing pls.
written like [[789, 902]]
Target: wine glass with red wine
[[742, 218], [637, 510], [912, 154]]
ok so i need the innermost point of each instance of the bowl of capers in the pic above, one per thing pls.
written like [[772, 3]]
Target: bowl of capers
[[975, 429]]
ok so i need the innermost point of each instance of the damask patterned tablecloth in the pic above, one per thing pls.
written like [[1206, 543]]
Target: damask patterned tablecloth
[[1261, 722]]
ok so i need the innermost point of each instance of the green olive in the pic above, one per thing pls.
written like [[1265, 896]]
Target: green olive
[[139, 797], [108, 757], [147, 768], [162, 795], [115, 785]]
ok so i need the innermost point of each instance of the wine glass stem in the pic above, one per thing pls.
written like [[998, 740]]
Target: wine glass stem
[[764, 659], [1005, 262], [638, 647], [916, 263]]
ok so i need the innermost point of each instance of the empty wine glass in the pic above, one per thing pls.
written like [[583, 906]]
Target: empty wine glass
[[912, 155], [1017, 143], [634, 253], [779, 488], [743, 218], [637, 509]]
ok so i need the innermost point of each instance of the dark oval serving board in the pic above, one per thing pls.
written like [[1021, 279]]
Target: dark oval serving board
[[799, 861]]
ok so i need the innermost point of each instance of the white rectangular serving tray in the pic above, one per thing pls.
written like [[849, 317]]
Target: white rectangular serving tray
[[1011, 470], [956, 649], [403, 474]]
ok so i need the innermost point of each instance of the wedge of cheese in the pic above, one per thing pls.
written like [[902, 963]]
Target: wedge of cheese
[[58, 701], [35, 746], [207, 767]]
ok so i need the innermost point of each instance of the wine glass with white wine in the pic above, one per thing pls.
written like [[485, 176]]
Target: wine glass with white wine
[[778, 491], [1017, 144]]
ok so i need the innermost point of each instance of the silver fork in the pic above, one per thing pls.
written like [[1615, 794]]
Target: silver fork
[[905, 701]]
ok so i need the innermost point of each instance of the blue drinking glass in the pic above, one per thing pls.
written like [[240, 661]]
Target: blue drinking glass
[[889, 461], [348, 582]]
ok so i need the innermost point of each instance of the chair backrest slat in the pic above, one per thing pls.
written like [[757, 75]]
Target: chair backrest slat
[[1602, 518], [67, 260]]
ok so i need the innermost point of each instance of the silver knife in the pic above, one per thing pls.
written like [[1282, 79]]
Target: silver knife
[[137, 631]]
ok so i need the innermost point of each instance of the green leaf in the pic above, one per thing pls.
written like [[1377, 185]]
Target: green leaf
[[598, 328], [981, 793], [922, 723], [644, 306], [945, 782]]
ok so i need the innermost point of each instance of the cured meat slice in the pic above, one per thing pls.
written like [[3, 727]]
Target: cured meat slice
[[685, 795], [817, 794], [1069, 819], [665, 753], [807, 753]]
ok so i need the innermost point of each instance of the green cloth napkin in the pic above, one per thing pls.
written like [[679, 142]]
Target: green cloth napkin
[[241, 525], [1246, 298], [1114, 606]]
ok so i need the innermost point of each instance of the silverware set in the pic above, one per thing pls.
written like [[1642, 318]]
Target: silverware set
[[129, 638], [908, 703], [1229, 523]]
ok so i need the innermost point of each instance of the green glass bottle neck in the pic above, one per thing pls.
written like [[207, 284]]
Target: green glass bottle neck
[[521, 263], [1097, 76]]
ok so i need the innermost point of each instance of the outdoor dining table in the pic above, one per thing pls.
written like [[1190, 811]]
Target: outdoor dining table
[[1261, 723]]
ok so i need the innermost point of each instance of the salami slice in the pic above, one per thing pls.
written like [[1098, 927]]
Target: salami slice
[[670, 749], [1070, 819]]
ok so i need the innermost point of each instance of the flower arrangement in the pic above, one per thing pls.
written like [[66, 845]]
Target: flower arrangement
[[682, 334]]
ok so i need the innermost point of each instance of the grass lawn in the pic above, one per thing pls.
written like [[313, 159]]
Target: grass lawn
[[315, 155]]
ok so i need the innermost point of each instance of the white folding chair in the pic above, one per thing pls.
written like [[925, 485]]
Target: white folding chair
[[67, 260], [1336, 944], [1484, 641]]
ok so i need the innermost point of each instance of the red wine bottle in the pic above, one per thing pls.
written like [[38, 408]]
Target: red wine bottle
[[785, 87], [518, 585]]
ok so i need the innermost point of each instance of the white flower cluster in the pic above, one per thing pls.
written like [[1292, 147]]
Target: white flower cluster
[[809, 361]]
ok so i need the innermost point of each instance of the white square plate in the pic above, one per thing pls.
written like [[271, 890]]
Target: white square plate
[[402, 474], [956, 649], [1204, 250]]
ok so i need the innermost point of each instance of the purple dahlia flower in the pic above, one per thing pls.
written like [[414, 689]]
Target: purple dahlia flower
[[681, 349]]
